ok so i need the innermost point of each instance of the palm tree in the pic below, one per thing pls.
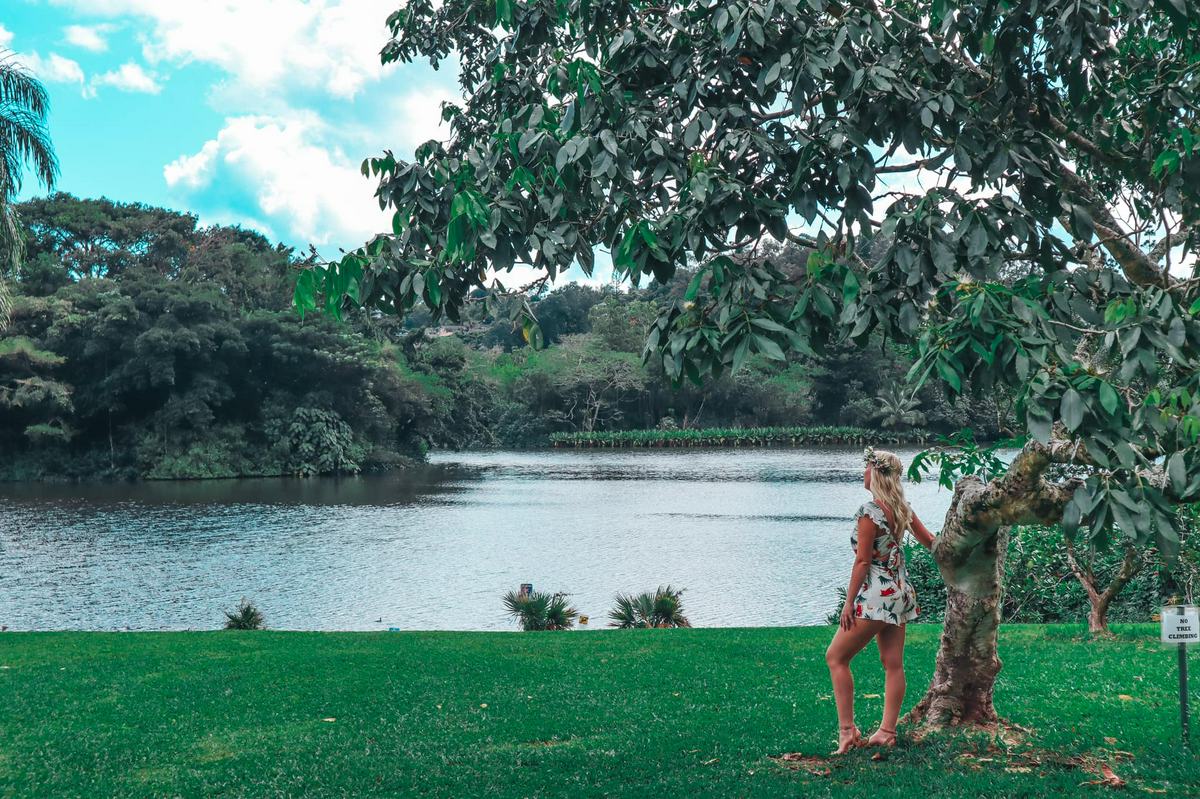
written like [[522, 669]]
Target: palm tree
[[536, 610], [662, 608], [24, 141]]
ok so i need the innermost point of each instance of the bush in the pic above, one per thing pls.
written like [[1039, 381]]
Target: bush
[[1039, 587], [661, 608], [245, 617], [540, 611]]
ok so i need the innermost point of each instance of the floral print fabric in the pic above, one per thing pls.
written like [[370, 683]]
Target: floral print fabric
[[886, 594]]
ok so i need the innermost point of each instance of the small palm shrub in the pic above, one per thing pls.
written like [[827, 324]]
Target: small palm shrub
[[661, 608], [537, 610], [245, 617]]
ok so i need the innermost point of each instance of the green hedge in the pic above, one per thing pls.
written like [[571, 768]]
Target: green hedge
[[740, 436]]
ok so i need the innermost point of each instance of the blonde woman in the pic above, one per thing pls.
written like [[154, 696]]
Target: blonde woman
[[880, 600]]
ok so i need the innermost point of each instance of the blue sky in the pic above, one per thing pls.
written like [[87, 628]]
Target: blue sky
[[256, 112]]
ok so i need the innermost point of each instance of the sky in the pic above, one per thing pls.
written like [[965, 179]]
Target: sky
[[250, 112]]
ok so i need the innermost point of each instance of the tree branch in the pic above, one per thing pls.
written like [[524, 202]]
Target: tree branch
[[1136, 264]]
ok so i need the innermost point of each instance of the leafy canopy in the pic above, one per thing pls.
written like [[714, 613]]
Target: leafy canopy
[[1013, 189]]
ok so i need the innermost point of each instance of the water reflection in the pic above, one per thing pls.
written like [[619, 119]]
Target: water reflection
[[758, 537]]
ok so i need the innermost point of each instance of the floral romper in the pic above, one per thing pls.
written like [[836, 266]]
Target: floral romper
[[886, 594]]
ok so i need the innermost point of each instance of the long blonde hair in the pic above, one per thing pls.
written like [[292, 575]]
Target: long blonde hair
[[886, 489]]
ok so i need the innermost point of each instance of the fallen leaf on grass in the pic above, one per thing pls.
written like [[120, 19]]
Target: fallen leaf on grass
[[1107, 778], [1018, 769], [1109, 740], [329, 720], [1148, 789], [870, 696], [817, 766], [1125, 697], [879, 756], [484, 706], [710, 762]]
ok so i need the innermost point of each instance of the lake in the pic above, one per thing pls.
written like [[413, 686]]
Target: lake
[[758, 537]]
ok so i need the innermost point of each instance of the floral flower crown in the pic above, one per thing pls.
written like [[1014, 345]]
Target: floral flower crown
[[876, 461]]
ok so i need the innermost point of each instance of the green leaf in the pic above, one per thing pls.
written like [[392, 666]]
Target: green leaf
[[822, 302], [739, 354], [768, 348], [433, 289], [1038, 426], [1081, 222], [1177, 472], [504, 13], [1071, 518], [1109, 399], [949, 374], [304, 296], [850, 287], [1072, 409]]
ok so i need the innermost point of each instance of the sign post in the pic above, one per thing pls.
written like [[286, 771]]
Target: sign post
[[1181, 626]]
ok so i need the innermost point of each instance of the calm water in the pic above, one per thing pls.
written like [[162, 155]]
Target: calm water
[[758, 537]]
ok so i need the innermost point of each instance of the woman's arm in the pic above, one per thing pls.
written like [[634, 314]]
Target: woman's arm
[[862, 564], [921, 532]]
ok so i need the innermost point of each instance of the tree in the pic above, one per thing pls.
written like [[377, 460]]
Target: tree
[[1013, 189], [1100, 596], [24, 141]]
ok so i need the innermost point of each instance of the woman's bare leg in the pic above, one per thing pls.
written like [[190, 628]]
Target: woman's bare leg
[[845, 645], [890, 641]]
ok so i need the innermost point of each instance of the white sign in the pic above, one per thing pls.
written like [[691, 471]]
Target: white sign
[[1180, 628]]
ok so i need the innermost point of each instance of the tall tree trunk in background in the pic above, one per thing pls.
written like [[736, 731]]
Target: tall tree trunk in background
[[970, 553], [1100, 600]]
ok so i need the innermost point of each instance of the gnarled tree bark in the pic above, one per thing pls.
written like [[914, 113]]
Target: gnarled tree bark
[[970, 552]]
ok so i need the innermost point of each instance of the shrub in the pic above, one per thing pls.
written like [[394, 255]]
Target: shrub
[[1039, 587], [540, 611], [661, 608], [245, 617]]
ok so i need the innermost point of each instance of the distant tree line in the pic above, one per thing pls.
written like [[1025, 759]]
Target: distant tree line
[[142, 344]]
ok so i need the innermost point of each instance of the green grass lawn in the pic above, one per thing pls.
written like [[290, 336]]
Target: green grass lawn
[[660, 713]]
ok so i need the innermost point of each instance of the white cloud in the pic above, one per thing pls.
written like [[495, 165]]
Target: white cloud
[[302, 185], [129, 77], [6, 36], [265, 45], [52, 69], [89, 37]]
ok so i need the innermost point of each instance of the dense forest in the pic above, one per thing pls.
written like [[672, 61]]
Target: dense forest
[[144, 345]]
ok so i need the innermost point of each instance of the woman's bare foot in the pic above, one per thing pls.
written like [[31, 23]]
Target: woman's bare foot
[[882, 737], [848, 738]]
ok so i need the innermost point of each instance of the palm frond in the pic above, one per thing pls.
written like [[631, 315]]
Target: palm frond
[[5, 304], [25, 141], [18, 86], [540, 611], [660, 608], [24, 136]]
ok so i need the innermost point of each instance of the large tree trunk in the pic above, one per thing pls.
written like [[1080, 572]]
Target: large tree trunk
[[970, 552], [967, 661]]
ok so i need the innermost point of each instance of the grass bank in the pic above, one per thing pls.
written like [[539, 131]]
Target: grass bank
[[740, 436], [661, 713]]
